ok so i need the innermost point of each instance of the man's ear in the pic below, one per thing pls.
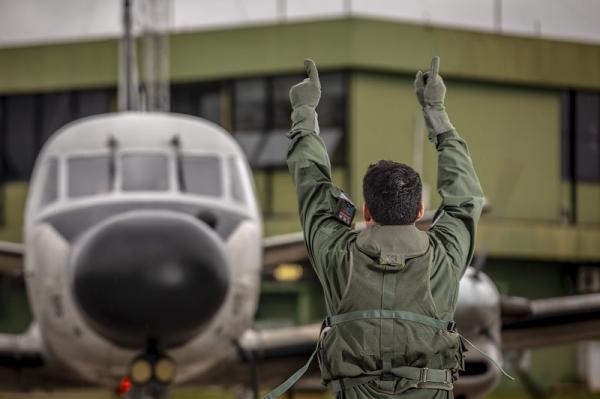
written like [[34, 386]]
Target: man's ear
[[421, 211], [367, 213]]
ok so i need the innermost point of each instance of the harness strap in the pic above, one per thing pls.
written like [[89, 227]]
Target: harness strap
[[386, 339], [390, 314], [488, 357], [287, 384], [421, 375]]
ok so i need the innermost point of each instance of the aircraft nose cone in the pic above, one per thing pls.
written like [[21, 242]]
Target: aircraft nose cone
[[144, 276]]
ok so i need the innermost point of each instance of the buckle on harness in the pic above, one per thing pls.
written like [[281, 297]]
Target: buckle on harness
[[423, 374], [451, 326]]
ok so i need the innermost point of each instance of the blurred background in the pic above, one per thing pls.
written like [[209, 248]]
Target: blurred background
[[523, 80]]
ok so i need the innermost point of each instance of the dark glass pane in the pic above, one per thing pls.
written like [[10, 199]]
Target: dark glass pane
[[210, 105], [282, 108], [565, 138], [274, 149], [50, 190], [56, 111], [587, 147], [92, 102], [181, 100], [332, 106], [2, 161], [145, 172], [88, 176], [202, 175], [19, 136], [249, 105], [250, 143]]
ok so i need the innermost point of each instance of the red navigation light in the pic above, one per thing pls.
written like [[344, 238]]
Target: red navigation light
[[124, 386]]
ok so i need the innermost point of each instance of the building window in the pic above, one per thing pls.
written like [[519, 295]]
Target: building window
[[261, 117], [198, 100], [28, 120], [581, 136]]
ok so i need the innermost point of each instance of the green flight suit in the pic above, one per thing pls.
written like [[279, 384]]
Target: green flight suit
[[448, 245]]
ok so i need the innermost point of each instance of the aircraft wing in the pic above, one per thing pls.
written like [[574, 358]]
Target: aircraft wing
[[266, 358], [22, 362], [541, 322], [23, 366]]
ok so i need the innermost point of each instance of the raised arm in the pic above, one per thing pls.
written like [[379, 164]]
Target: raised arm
[[325, 213], [457, 183]]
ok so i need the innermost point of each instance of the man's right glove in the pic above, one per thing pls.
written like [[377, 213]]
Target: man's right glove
[[305, 97], [430, 91]]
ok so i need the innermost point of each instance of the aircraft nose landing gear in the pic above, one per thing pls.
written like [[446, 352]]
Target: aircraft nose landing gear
[[150, 377]]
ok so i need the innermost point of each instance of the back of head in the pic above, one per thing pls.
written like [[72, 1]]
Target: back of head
[[392, 192]]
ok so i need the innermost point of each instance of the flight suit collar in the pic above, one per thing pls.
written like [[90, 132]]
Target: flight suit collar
[[392, 245]]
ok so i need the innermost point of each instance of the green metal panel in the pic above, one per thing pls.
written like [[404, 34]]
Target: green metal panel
[[59, 66], [382, 116], [513, 135], [588, 203], [13, 207], [356, 43], [548, 241], [299, 302]]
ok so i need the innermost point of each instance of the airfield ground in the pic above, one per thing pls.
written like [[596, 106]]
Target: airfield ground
[[569, 393]]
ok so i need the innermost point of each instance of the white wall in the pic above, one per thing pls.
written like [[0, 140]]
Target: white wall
[[24, 22]]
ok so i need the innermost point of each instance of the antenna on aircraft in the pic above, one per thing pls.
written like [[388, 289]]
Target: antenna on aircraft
[[151, 19], [128, 77], [155, 22]]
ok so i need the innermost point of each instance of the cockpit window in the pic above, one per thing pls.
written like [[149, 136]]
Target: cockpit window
[[89, 176], [202, 175], [145, 172], [50, 190]]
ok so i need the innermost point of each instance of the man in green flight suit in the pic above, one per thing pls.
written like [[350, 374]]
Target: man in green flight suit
[[390, 289]]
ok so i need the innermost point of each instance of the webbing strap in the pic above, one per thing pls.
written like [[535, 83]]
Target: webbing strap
[[389, 314], [421, 375], [488, 357], [388, 295], [287, 384]]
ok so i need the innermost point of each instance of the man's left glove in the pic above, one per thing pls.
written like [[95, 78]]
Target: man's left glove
[[305, 97], [431, 91]]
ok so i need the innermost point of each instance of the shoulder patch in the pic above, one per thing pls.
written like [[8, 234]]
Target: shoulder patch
[[346, 211]]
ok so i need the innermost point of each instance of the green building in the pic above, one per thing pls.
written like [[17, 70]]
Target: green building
[[528, 108]]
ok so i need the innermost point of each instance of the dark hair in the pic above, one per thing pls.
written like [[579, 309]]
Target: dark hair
[[392, 192]]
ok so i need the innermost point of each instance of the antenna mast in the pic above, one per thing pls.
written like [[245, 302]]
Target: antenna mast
[[128, 79]]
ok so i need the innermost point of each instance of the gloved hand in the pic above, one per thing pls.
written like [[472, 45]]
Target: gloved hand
[[305, 97], [430, 91]]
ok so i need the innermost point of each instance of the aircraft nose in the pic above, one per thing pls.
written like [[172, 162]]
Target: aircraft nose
[[144, 275]]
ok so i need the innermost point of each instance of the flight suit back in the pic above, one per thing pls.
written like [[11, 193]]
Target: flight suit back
[[387, 327]]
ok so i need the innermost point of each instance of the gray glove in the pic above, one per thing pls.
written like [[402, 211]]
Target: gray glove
[[430, 91], [305, 97]]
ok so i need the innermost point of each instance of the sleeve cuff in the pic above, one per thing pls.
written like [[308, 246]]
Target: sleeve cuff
[[440, 138]]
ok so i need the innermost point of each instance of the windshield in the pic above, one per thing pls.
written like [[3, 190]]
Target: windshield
[[202, 175], [50, 190], [145, 172], [88, 176]]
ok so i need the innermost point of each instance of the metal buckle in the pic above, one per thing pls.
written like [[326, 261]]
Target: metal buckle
[[451, 326], [423, 376]]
